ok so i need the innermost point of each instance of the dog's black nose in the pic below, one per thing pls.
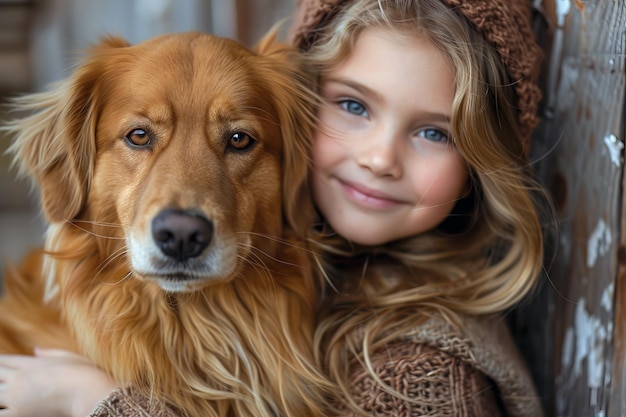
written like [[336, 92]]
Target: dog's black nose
[[181, 234]]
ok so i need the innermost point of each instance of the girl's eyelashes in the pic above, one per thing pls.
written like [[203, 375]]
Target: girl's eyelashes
[[353, 107]]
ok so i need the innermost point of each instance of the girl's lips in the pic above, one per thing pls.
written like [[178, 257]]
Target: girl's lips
[[367, 196]]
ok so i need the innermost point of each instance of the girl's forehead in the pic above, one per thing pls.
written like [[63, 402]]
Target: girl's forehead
[[380, 52], [380, 39]]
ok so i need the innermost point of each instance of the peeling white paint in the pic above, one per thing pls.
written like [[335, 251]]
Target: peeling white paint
[[584, 346], [563, 8], [599, 243], [615, 147], [607, 297], [590, 337]]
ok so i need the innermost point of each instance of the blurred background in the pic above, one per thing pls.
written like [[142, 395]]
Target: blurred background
[[41, 39]]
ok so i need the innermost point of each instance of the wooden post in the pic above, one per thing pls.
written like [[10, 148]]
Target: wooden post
[[581, 146]]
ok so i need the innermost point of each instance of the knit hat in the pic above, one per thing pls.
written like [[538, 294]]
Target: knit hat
[[505, 25]]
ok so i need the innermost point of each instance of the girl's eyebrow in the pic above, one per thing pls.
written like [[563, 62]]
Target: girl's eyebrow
[[361, 88], [436, 117]]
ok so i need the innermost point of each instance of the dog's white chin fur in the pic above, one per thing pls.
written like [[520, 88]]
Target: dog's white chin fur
[[182, 285], [216, 264]]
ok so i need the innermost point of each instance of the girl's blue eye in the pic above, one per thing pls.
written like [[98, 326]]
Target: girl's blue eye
[[353, 107], [433, 135]]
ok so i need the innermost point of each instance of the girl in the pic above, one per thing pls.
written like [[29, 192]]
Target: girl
[[428, 221]]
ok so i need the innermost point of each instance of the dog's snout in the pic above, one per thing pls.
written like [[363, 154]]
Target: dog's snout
[[181, 234]]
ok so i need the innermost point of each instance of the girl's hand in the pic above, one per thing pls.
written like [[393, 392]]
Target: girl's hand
[[51, 383]]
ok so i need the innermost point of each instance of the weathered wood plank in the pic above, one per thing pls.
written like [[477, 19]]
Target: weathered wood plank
[[584, 121]]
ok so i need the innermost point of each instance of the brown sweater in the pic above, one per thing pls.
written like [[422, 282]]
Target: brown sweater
[[447, 372]]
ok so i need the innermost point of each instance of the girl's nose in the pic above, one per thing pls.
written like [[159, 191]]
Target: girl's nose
[[381, 156]]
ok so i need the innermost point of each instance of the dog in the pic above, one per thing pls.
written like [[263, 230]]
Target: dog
[[173, 175]]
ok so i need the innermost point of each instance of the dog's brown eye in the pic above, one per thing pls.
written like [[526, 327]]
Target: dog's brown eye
[[138, 137], [240, 141]]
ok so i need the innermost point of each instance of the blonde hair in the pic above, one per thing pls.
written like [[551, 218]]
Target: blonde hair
[[487, 256]]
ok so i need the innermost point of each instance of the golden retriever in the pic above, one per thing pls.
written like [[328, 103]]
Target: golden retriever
[[173, 176]]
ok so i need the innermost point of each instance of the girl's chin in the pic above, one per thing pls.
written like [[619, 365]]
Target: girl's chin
[[358, 234]]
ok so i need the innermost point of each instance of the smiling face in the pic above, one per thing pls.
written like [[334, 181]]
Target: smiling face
[[385, 166]]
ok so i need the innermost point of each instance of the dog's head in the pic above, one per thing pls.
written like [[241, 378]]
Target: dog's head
[[196, 146]]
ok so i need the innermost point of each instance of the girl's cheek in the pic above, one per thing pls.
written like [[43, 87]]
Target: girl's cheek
[[325, 149]]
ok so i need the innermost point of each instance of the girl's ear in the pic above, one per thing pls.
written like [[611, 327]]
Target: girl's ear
[[56, 145], [292, 87]]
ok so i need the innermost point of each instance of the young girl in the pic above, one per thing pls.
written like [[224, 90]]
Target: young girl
[[428, 221]]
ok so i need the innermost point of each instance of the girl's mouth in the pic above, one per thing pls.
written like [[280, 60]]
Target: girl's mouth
[[368, 197]]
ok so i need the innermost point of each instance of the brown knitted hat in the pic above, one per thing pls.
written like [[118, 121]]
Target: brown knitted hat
[[505, 24]]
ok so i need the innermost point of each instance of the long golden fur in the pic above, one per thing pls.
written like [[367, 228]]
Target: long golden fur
[[173, 175]]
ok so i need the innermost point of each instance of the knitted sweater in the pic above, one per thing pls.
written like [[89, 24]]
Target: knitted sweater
[[477, 372]]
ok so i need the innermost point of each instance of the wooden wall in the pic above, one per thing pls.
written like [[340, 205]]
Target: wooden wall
[[574, 330]]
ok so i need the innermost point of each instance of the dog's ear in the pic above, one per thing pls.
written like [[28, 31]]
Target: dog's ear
[[55, 142], [292, 86]]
